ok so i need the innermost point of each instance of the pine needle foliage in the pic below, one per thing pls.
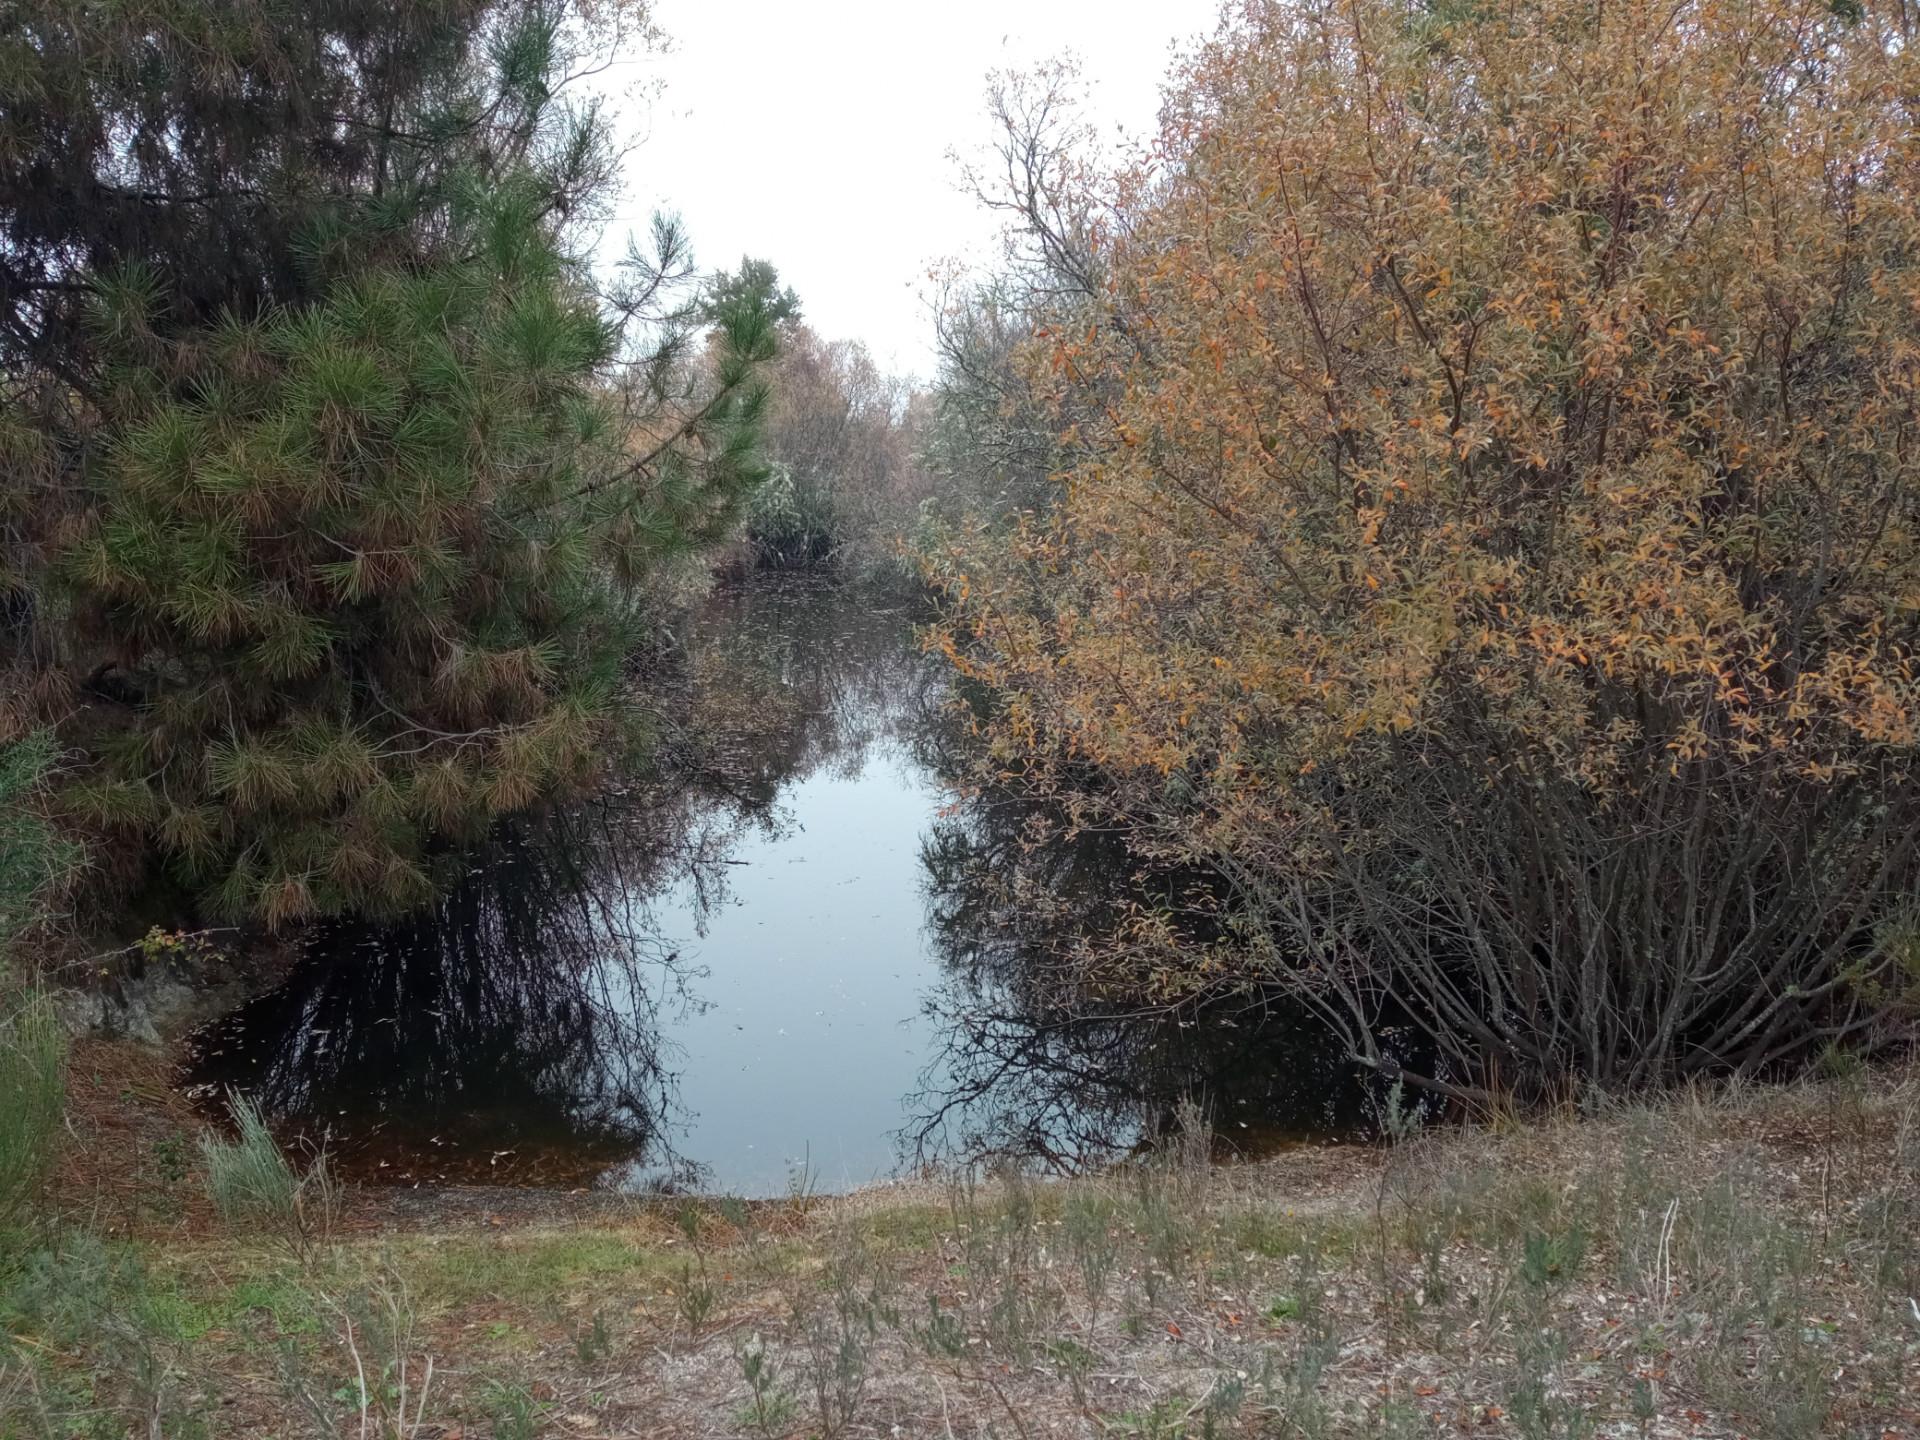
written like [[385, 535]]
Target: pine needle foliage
[[357, 533], [32, 858]]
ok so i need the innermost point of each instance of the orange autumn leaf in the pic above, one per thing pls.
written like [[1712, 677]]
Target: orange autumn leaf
[[1506, 519]]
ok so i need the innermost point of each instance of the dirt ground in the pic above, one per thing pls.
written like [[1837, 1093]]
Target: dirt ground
[[1730, 1263]]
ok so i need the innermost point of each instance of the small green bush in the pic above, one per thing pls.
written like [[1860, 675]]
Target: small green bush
[[252, 1182], [33, 1054], [248, 1179]]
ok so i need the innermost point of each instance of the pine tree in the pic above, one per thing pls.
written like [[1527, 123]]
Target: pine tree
[[357, 510], [33, 861]]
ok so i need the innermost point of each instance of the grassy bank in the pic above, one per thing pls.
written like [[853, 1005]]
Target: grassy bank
[[1725, 1263]]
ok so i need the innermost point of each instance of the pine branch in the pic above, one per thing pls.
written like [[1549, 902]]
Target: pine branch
[[594, 487]]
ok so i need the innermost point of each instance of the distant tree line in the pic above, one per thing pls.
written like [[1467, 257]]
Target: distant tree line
[[846, 484]]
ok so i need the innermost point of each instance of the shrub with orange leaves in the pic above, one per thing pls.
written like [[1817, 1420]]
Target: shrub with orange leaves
[[1489, 537]]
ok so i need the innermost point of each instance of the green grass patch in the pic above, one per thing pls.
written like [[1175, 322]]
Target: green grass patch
[[282, 1298], [524, 1269], [907, 1227], [1277, 1234]]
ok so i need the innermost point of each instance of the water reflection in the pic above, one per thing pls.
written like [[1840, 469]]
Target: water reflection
[[510, 1034], [783, 949], [1033, 1062], [680, 983]]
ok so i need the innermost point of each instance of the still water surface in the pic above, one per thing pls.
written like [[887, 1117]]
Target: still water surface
[[768, 971]]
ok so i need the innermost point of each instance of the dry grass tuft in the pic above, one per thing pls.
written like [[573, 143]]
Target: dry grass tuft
[[1729, 1262]]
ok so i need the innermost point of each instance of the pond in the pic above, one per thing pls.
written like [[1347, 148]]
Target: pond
[[776, 967]]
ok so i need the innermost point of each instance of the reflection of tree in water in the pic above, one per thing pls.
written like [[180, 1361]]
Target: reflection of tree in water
[[509, 1033], [1036, 1061], [512, 1033], [790, 678]]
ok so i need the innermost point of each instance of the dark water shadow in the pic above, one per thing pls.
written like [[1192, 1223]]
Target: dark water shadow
[[509, 1035], [1032, 1061], [533, 1026], [790, 939]]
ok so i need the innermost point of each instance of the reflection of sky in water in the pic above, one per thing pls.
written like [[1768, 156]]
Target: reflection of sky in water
[[814, 971], [723, 982], [716, 984]]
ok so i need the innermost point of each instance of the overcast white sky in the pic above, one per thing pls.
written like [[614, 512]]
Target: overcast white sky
[[846, 112]]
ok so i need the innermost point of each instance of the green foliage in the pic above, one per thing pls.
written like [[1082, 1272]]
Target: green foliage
[[790, 521], [592, 1342], [163, 133], [1551, 1259], [770, 1408], [248, 1178], [346, 653], [95, 1343], [33, 1046], [1091, 1220], [755, 281], [251, 1182], [840, 1337], [32, 859], [514, 1411], [358, 564], [33, 1055], [697, 1296]]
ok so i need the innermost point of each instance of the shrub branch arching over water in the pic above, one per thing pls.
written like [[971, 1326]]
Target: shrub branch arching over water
[[1488, 532]]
